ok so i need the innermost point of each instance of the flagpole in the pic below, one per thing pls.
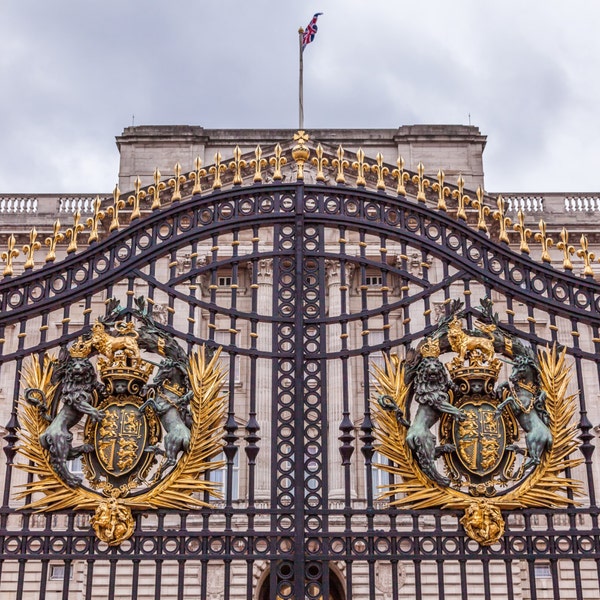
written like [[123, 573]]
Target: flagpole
[[300, 82]]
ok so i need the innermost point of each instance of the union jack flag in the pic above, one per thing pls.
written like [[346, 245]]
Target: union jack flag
[[310, 31]]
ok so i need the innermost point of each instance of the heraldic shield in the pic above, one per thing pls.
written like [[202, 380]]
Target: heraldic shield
[[498, 446], [152, 421]]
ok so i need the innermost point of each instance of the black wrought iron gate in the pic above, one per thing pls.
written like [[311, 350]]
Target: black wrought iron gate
[[305, 287]]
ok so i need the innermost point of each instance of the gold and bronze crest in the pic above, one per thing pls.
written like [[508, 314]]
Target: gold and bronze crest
[[498, 446], [150, 426]]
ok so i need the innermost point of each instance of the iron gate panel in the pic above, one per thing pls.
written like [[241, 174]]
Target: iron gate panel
[[304, 287]]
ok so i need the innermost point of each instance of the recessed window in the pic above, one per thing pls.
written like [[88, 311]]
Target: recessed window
[[57, 572], [220, 476], [224, 280], [542, 570], [373, 280]]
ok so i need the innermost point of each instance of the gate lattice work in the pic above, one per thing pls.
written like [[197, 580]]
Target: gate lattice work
[[304, 287]]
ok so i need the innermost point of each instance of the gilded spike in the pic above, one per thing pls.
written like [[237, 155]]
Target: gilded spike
[[462, 199], [381, 170], [588, 257], [340, 163], [237, 165], [196, 175], [278, 161], [361, 167], [94, 221], [135, 200], [421, 183], [482, 210], [176, 183], [9, 255], [73, 232], [563, 245], [545, 240], [442, 190], [113, 211], [524, 232], [258, 163], [300, 153], [402, 176], [320, 162], [503, 220], [156, 189], [51, 242], [216, 171], [30, 249]]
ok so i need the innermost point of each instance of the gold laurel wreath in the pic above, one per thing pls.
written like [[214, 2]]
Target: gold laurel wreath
[[545, 487], [176, 490]]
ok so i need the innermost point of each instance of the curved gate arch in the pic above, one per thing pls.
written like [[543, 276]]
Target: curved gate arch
[[305, 287]]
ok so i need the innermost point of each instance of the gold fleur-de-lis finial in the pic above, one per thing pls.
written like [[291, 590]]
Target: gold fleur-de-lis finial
[[196, 175], [237, 165], [381, 170], [361, 167], [461, 198], [320, 162], [588, 257], [442, 190], [503, 220], [135, 199], [52, 241], [73, 232], [258, 163], [421, 182], [482, 210], [567, 250], [216, 170], [9, 255], [278, 161], [340, 163], [94, 221], [545, 240], [176, 183], [30, 249], [156, 189], [524, 232], [401, 176], [300, 153], [113, 211]]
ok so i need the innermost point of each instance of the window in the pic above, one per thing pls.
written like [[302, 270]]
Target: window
[[373, 280], [57, 572], [379, 477], [220, 476], [542, 570], [224, 281]]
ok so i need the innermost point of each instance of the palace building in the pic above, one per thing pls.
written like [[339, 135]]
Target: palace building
[[322, 364]]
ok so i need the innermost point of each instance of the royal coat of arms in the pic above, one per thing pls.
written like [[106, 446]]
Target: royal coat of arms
[[153, 420], [498, 446]]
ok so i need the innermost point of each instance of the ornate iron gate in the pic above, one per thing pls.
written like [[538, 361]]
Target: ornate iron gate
[[305, 287]]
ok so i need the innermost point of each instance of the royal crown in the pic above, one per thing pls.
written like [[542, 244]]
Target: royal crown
[[430, 348], [124, 367]]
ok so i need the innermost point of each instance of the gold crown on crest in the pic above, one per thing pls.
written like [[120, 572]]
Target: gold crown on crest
[[124, 367], [430, 348], [474, 369], [80, 349]]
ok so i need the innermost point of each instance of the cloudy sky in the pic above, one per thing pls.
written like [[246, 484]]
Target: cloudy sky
[[74, 73]]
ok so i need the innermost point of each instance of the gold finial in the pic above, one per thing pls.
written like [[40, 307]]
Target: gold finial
[[340, 163], [381, 170], [442, 190], [462, 199], [320, 161], [504, 221], [29, 249], [545, 240], [237, 165], [258, 163], [113, 210], [278, 161], [421, 183], [300, 152], [156, 189], [482, 210], [94, 221], [402, 176], [524, 232], [216, 171], [135, 200], [51, 242], [563, 245], [588, 257], [176, 182], [196, 175], [73, 232], [361, 167], [8, 256]]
